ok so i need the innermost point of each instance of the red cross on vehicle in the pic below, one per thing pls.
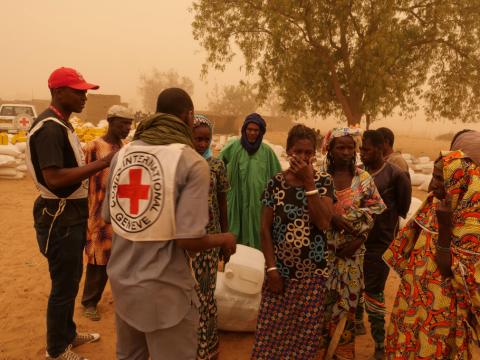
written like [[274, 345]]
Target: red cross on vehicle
[[24, 122], [134, 191]]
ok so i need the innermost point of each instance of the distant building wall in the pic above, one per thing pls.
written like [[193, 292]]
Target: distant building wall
[[97, 107], [223, 124], [278, 123], [228, 124]]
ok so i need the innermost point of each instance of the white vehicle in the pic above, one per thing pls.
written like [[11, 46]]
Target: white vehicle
[[15, 117]]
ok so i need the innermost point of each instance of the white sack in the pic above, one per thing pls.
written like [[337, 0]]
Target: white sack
[[9, 150]]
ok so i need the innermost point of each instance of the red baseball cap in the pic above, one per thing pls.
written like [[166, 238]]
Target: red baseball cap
[[68, 77]]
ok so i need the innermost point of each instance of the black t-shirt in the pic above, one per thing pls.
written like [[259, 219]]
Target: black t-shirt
[[50, 147], [395, 188]]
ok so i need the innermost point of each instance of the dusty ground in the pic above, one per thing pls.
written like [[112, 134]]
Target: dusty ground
[[25, 282]]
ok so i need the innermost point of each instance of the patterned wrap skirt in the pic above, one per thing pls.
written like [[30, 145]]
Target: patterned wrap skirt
[[289, 325], [205, 267]]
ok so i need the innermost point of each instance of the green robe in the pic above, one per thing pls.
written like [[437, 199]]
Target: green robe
[[248, 176]]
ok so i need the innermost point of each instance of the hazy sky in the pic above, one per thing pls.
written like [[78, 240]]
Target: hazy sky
[[111, 42]]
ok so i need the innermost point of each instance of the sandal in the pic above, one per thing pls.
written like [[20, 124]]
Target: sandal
[[91, 313]]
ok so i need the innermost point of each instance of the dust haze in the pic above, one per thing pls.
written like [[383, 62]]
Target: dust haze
[[113, 42], [110, 42]]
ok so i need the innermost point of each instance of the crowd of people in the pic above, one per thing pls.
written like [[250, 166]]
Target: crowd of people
[[158, 216]]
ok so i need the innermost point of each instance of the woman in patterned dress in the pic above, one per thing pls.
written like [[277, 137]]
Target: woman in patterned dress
[[436, 314], [358, 201], [205, 264], [297, 209]]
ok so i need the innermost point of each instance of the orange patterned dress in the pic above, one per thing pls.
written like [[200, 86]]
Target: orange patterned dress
[[99, 234], [435, 317]]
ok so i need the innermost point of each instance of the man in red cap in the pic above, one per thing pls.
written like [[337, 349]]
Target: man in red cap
[[56, 162]]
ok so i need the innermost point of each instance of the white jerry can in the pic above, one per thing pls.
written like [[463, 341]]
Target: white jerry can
[[238, 291]]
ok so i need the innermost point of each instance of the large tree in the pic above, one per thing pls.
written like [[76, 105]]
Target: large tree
[[153, 83], [359, 58], [236, 100]]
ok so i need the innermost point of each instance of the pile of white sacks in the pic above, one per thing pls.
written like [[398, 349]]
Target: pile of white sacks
[[421, 169], [12, 161]]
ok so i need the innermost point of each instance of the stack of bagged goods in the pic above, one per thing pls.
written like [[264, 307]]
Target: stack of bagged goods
[[238, 291], [279, 150], [86, 131], [421, 169], [218, 142], [12, 158]]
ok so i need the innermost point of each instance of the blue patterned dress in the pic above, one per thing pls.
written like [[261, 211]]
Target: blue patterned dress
[[205, 266], [290, 324]]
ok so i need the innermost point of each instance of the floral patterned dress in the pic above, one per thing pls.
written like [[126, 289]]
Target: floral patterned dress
[[205, 266], [358, 204], [289, 324]]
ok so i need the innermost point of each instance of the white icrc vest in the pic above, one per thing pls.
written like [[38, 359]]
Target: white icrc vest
[[82, 191], [142, 193]]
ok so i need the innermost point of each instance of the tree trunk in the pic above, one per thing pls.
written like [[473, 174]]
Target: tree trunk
[[342, 99], [368, 121], [356, 118], [353, 117]]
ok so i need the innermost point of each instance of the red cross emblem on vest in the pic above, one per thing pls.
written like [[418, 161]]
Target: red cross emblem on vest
[[134, 191]]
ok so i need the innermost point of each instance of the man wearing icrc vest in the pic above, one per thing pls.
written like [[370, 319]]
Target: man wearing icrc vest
[[56, 163], [157, 202]]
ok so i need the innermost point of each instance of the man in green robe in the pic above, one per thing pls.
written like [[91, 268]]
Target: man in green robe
[[250, 164]]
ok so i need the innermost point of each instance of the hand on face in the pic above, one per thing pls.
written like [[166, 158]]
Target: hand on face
[[301, 157], [444, 211], [302, 169]]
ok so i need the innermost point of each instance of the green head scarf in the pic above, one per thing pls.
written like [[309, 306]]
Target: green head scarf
[[164, 129]]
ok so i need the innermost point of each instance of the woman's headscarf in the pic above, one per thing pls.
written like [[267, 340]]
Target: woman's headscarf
[[462, 184], [469, 143], [202, 120], [258, 120], [354, 132]]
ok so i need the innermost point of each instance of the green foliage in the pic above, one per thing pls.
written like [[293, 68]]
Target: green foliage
[[351, 57], [235, 100], [152, 84]]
